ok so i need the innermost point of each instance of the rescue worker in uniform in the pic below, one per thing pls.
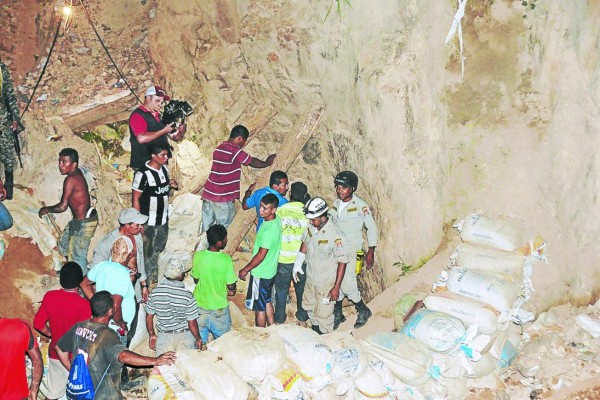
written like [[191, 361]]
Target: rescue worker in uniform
[[323, 248], [351, 213], [9, 119]]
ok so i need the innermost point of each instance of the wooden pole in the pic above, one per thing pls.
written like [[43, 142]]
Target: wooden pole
[[286, 155]]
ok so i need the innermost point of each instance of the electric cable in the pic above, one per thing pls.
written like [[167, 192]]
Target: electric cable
[[43, 70], [89, 18]]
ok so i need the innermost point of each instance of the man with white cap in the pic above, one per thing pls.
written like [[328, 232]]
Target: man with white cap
[[145, 127], [131, 225], [176, 312]]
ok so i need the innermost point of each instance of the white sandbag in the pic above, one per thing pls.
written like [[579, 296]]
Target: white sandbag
[[184, 223], [210, 377], [350, 360], [252, 353], [501, 234], [486, 365], [376, 381], [498, 293], [311, 356], [409, 360], [444, 333], [510, 265], [468, 311], [166, 382], [285, 384], [141, 332]]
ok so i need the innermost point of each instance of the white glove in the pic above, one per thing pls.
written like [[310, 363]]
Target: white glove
[[298, 266]]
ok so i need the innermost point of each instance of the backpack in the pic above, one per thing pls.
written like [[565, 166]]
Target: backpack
[[79, 384]]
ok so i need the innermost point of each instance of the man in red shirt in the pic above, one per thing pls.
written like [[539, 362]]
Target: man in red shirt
[[145, 127], [60, 310], [16, 339], [222, 187]]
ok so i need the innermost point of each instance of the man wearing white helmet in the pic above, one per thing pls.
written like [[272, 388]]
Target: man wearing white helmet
[[351, 213], [326, 258]]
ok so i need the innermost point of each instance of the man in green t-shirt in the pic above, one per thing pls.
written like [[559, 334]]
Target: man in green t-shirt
[[263, 266], [215, 280]]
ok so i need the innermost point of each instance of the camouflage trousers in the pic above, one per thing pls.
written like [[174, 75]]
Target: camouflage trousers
[[7, 145]]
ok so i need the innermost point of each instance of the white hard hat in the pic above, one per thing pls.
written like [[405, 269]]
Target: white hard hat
[[315, 207]]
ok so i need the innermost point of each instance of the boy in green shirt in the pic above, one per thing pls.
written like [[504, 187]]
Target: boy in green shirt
[[264, 263], [215, 280]]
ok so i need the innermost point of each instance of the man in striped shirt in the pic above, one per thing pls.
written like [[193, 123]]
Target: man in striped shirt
[[176, 313], [150, 197], [222, 187]]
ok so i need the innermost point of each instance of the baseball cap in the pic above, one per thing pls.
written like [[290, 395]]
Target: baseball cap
[[132, 216], [299, 191], [157, 91], [176, 268]]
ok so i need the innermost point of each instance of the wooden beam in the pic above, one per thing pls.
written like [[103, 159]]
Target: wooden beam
[[99, 111], [255, 124], [286, 155]]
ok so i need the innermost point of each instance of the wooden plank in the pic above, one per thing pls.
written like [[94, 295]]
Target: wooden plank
[[255, 124], [286, 155], [92, 115]]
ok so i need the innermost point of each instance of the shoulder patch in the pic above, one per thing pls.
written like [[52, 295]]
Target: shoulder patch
[[365, 210], [338, 242]]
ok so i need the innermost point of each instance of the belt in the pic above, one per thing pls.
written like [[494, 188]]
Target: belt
[[182, 330]]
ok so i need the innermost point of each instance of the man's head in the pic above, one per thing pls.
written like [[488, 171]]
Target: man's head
[[299, 192], [239, 134], [316, 211], [102, 304], [217, 236], [68, 160], [279, 182], [131, 221], [345, 183], [159, 153], [121, 251], [155, 96], [176, 270], [268, 206], [71, 275]]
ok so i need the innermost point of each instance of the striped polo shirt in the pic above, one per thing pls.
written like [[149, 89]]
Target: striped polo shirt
[[154, 201], [293, 225], [173, 306], [223, 183]]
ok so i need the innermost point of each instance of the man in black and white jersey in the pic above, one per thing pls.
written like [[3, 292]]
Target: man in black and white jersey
[[150, 197]]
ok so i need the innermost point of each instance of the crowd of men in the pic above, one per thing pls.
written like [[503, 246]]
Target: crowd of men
[[300, 240]]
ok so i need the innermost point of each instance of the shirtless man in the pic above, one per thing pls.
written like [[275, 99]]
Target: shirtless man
[[75, 239]]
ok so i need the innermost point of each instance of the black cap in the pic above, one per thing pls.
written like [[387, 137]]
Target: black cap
[[299, 192], [71, 275]]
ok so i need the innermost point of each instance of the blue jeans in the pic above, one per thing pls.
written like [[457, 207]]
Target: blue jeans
[[6, 220], [215, 322], [155, 240]]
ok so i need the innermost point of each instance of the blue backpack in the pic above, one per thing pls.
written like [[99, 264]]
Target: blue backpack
[[79, 384]]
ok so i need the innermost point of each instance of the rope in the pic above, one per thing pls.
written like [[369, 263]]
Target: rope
[[43, 71], [89, 18]]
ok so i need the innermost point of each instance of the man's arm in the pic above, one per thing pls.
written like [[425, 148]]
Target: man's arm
[[38, 369], [118, 317], [150, 329], [137, 360], [68, 188], [40, 321], [193, 327], [87, 287], [256, 260], [334, 293], [147, 137], [231, 288], [369, 222], [256, 163], [247, 195], [63, 357], [135, 199]]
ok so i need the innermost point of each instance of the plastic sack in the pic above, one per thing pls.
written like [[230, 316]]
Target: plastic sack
[[210, 377], [252, 353], [409, 360], [501, 234], [401, 308], [350, 360], [509, 265], [497, 292], [311, 356], [285, 384], [184, 223], [166, 382], [468, 311], [376, 381]]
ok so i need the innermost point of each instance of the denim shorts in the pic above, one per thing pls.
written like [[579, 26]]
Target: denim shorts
[[215, 322]]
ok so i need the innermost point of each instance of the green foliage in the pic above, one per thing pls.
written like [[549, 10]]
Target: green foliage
[[404, 267], [338, 7]]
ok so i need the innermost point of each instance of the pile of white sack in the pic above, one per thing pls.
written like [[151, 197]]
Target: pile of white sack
[[467, 333]]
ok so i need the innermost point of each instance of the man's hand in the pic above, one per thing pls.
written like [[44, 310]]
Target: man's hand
[[145, 294], [152, 342], [370, 258], [167, 358], [334, 294], [270, 159], [295, 271], [173, 184], [32, 395], [43, 211], [243, 273], [178, 135], [251, 187], [199, 343], [13, 127]]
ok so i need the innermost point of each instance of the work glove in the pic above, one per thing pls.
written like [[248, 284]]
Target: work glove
[[298, 266]]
